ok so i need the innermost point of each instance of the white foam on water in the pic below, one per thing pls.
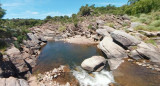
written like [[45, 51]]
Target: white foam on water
[[102, 78]]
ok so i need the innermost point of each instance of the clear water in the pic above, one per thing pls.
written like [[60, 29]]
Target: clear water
[[59, 53]]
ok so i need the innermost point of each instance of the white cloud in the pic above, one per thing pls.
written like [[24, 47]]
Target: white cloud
[[34, 13]]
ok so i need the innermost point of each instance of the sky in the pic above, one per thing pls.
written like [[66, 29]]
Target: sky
[[39, 9]]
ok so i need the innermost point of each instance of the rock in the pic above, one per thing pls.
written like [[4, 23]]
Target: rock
[[111, 49], [114, 63], [11, 81], [100, 22], [135, 55], [12, 51], [147, 51], [125, 17], [95, 63], [23, 82], [32, 37], [148, 34], [2, 82], [109, 29], [133, 25], [103, 32], [124, 39], [43, 39]]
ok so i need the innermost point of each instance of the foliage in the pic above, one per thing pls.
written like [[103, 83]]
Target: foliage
[[151, 41], [62, 28], [85, 11], [2, 12]]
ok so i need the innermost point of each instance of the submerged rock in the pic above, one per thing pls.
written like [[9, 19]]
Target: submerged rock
[[95, 63], [124, 39], [111, 49]]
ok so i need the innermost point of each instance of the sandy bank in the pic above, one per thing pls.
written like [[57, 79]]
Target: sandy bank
[[80, 40]]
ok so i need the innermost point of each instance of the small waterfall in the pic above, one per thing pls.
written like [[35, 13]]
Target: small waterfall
[[102, 78]]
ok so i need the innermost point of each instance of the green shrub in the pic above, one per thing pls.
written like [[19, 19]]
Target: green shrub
[[156, 23], [3, 45], [89, 26], [62, 28], [151, 41]]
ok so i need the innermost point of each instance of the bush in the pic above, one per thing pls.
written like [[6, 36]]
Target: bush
[[62, 28], [85, 11], [151, 41], [155, 23]]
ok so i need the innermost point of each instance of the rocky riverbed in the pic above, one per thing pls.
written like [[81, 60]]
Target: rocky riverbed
[[114, 42]]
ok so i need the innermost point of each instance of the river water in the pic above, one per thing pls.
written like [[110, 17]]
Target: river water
[[59, 53]]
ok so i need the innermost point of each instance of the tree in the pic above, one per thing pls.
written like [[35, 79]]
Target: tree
[[2, 12], [132, 1], [85, 10]]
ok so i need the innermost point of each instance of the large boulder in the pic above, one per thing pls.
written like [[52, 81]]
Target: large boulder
[[114, 63], [111, 49], [95, 63], [103, 32], [16, 60], [11, 81], [124, 39], [147, 51]]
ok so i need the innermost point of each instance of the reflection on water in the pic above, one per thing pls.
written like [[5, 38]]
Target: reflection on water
[[60, 53]]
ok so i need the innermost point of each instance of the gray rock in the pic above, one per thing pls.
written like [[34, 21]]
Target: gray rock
[[114, 63], [124, 38], [2, 82], [32, 37], [11, 81], [100, 22], [109, 29], [103, 32], [23, 82], [111, 49], [133, 25], [135, 55], [12, 51], [147, 51], [95, 63]]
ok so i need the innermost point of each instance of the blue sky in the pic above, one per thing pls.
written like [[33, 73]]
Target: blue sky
[[39, 9]]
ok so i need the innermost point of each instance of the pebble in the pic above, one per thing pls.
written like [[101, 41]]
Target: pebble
[[155, 66], [157, 69], [130, 60], [144, 65]]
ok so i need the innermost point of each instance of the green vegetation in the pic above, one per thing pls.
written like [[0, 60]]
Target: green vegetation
[[144, 11], [151, 21], [62, 28], [151, 41]]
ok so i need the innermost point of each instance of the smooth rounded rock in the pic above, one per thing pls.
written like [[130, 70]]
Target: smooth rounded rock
[[95, 63]]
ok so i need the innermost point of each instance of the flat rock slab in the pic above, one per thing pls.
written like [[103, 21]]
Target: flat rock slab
[[124, 38], [111, 49]]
